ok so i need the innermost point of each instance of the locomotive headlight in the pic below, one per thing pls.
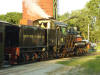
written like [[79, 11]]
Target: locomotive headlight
[[43, 49], [76, 44]]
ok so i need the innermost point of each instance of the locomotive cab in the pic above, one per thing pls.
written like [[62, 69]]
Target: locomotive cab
[[55, 34]]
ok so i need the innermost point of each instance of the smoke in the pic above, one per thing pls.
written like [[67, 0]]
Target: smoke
[[34, 9]]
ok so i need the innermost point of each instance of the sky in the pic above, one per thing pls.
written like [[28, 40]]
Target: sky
[[70, 5], [63, 5]]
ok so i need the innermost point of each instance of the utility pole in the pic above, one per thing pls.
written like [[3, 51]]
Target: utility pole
[[55, 8], [88, 32], [99, 11]]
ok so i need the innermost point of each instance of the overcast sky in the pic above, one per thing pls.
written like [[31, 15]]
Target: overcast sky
[[70, 5], [63, 5]]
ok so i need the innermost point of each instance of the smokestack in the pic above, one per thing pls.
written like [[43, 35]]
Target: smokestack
[[38, 9]]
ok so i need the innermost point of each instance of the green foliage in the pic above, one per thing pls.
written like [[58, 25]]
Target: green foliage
[[12, 17], [88, 15], [63, 30], [94, 10], [75, 61], [98, 47], [92, 66], [89, 63], [63, 17], [93, 7], [2, 17]]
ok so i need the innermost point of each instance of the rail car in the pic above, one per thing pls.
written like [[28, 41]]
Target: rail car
[[45, 39]]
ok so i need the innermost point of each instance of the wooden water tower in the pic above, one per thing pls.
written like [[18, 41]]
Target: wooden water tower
[[38, 9]]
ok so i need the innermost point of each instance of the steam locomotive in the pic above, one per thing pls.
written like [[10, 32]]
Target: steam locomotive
[[45, 39]]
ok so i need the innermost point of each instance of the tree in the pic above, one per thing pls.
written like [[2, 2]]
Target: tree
[[12, 17], [63, 17], [94, 10], [2, 17], [93, 6], [88, 15]]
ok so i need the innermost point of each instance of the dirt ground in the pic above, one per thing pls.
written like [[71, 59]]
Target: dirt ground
[[44, 68], [40, 68]]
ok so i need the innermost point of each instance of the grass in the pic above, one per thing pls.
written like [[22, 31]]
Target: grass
[[91, 64], [98, 46]]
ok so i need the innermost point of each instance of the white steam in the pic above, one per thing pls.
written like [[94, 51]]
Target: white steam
[[34, 9]]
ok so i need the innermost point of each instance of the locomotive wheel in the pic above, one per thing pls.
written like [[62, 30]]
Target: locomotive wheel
[[84, 52], [25, 58], [80, 51], [64, 52], [44, 56], [35, 56], [41, 57], [77, 53]]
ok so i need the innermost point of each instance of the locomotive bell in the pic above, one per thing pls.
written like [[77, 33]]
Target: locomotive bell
[[75, 28]]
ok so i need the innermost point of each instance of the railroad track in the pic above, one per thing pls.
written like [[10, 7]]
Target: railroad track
[[11, 68]]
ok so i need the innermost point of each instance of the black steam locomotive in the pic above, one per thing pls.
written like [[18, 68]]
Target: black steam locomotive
[[45, 39]]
